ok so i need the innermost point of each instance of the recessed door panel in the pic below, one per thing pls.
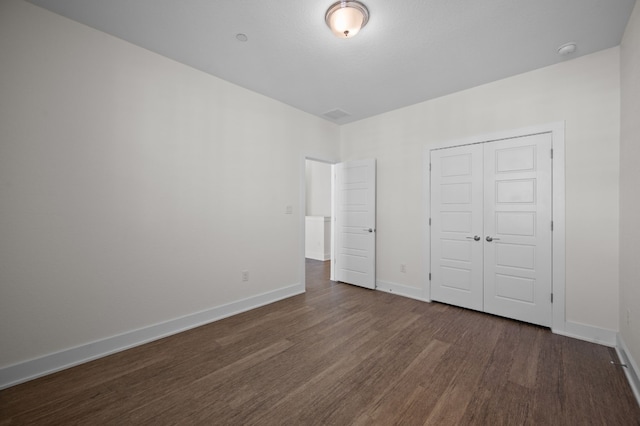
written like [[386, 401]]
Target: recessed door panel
[[516, 191], [456, 193], [515, 289], [354, 198], [355, 241], [457, 250], [514, 223], [354, 219], [457, 278], [521, 256], [456, 164], [460, 222], [511, 159]]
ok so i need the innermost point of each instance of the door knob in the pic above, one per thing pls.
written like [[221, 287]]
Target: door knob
[[474, 238], [368, 229], [489, 239]]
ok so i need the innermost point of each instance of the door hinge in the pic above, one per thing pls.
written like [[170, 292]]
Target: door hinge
[[552, 225], [429, 276], [429, 221], [429, 166], [552, 153], [551, 297]]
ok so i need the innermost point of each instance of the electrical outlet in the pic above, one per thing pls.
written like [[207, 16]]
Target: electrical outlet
[[403, 268], [288, 210], [245, 275]]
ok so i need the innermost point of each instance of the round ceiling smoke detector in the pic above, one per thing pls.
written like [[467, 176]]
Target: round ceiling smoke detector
[[567, 49], [242, 37]]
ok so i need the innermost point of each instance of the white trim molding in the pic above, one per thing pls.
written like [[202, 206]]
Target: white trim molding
[[32, 369], [401, 290], [588, 333], [426, 224], [631, 370]]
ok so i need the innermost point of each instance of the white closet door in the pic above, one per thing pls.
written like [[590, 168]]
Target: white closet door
[[517, 228], [456, 226]]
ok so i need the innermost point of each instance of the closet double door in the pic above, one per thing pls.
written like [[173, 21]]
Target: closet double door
[[491, 227]]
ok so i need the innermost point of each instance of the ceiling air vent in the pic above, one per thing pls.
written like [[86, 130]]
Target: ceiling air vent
[[336, 114]]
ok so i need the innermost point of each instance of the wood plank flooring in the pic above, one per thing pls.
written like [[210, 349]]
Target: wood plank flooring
[[340, 355]]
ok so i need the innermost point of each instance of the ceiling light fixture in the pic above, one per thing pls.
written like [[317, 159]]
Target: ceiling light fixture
[[346, 18]]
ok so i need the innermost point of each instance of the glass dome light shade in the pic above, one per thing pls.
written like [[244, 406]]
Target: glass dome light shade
[[346, 18]]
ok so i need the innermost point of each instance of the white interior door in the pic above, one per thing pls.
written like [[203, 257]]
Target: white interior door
[[355, 220], [501, 192], [517, 226], [456, 226]]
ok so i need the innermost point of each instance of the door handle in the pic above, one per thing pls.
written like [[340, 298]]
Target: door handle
[[368, 229], [474, 238], [489, 239]]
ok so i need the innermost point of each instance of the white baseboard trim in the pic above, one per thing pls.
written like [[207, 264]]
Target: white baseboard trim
[[589, 333], [601, 336], [38, 367], [631, 371], [318, 256], [401, 290]]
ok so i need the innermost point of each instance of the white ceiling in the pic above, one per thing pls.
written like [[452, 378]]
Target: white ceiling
[[410, 51]]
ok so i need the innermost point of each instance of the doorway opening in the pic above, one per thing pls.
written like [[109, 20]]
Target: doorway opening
[[318, 214]]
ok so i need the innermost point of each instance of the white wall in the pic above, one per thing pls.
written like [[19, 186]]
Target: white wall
[[629, 190], [585, 93], [134, 189], [318, 196]]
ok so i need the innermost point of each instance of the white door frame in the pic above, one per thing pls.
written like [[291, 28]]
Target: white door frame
[[302, 209], [557, 130]]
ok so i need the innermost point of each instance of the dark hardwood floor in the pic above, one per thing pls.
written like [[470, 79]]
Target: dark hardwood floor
[[340, 355]]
